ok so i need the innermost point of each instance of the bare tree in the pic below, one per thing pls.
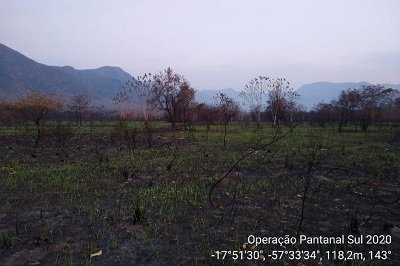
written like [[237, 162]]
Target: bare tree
[[255, 94], [347, 105], [324, 113], [35, 106], [6, 112], [167, 93], [79, 104], [208, 114], [185, 101], [198, 107], [228, 108], [392, 112], [291, 105], [278, 94], [138, 92], [373, 97]]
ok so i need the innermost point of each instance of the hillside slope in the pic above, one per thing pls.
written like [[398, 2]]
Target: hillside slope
[[19, 73]]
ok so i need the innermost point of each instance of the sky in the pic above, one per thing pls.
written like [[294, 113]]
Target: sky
[[215, 44]]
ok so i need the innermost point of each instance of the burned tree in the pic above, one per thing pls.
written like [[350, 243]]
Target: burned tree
[[185, 101], [280, 94], [6, 112], [79, 104], [255, 94], [35, 106], [227, 108], [324, 113], [373, 98], [168, 91], [138, 93], [347, 105]]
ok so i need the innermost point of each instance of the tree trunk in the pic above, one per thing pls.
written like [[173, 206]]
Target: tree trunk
[[37, 123], [225, 130], [340, 126], [258, 119], [80, 120]]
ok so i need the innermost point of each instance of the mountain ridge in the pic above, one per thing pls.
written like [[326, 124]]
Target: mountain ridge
[[19, 73], [326, 91]]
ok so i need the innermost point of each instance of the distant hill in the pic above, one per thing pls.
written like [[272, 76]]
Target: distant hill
[[19, 73], [314, 93], [208, 96]]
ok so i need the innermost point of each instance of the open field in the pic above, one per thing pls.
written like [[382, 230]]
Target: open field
[[153, 196]]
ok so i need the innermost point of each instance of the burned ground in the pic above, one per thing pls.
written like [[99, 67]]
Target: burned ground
[[155, 196]]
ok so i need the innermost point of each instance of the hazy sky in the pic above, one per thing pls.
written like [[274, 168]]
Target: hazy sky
[[214, 44]]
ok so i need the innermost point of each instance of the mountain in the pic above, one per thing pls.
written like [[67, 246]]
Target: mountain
[[19, 73], [208, 96], [314, 93]]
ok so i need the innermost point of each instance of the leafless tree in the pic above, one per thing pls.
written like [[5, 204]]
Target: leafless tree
[[255, 95], [373, 97], [185, 102], [35, 106], [79, 104], [6, 112], [324, 113], [279, 94], [167, 93], [138, 92], [291, 105], [347, 104], [227, 108]]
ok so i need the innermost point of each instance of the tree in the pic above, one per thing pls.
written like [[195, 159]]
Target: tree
[[78, 105], [373, 98], [291, 105], [279, 95], [397, 102], [35, 106], [228, 108], [198, 107], [324, 113], [185, 101], [138, 92], [168, 91], [6, 112], [255, 94], [347, 105], [207, 113]]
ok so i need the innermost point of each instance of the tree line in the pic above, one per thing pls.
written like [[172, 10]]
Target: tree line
[[169, 95], [361, 107], [172, 94]]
